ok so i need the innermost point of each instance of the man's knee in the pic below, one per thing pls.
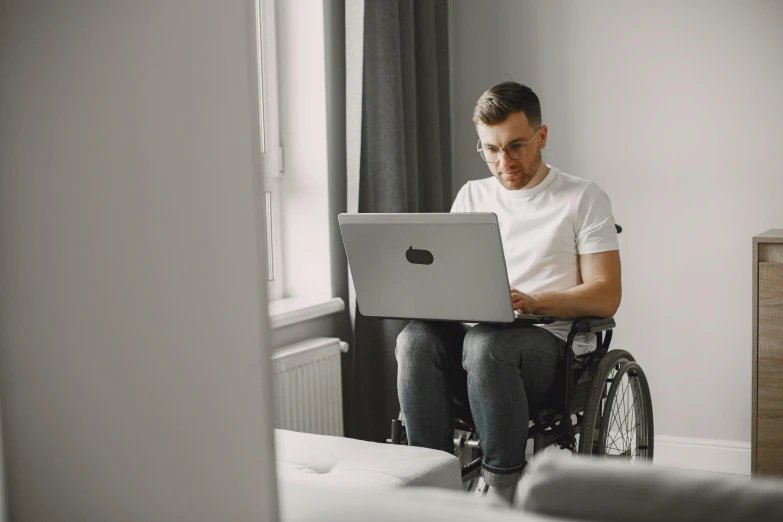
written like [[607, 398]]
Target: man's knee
[[487, 344], [419, 341]]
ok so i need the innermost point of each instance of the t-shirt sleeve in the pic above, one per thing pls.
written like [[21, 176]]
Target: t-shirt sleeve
[[461, 201], [595, 231]]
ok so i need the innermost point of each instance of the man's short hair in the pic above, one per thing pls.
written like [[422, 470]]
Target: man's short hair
[[497, 103]]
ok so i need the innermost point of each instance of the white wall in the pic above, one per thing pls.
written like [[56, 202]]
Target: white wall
[[674, 108], [134, 347]]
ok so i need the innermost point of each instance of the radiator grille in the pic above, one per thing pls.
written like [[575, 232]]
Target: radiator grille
[[308, 386]]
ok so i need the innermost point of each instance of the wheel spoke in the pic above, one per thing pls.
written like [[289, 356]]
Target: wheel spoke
[[638, 415], [624, 388], [620, 418], [630, 431], [628, 412], [631, 409], [616, 418], [615, 446], [612, 418], [620, 404], [614, 440], [612, 421]]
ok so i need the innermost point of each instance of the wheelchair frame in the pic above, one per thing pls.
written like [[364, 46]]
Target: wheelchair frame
[[554, 426], [547, 419]]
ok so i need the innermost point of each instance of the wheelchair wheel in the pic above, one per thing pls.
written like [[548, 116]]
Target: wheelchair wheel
[[618, 419]]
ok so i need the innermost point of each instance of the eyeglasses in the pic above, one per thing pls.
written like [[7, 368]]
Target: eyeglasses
[[515, 151]]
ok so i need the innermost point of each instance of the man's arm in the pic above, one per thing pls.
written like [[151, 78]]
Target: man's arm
[[599, 294]]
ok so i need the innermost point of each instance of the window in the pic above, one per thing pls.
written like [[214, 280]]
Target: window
[[293, 101], [270, 144]]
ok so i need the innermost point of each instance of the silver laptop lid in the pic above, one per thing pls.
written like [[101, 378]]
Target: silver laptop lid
[[445, 266]]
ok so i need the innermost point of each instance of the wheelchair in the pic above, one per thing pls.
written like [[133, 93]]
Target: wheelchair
[[603, 400]]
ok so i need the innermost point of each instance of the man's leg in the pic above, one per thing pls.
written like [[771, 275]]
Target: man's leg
[[428, 357], [510, 371]]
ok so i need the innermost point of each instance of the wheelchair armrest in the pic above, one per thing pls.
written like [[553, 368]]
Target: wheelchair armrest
[[584, 325]]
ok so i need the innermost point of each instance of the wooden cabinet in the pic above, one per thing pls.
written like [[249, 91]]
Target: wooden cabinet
[[767, 428]]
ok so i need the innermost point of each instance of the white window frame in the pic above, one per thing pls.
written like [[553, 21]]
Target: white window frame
[[271, 150]]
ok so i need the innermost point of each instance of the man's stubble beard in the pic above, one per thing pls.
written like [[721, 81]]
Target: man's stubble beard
[[528, 174]]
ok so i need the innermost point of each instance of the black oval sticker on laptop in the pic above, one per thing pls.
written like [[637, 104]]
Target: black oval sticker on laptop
[[419, 257]]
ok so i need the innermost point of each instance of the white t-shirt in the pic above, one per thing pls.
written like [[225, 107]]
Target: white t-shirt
[[543, 229]]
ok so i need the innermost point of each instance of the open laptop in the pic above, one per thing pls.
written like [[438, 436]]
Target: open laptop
[[439, 266]]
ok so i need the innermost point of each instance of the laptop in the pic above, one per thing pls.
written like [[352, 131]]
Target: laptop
[[434, 266]]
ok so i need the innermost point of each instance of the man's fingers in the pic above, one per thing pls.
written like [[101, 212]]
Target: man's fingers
[[520, 301]]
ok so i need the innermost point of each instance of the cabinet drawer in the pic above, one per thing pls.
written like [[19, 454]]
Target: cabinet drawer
[[772, 252], [769, 457]]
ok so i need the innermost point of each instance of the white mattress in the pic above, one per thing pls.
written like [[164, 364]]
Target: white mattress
[[303, 458]]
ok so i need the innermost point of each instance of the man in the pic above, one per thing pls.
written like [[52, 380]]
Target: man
[[563, 259]]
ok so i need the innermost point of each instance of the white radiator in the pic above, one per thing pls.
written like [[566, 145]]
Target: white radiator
[[308, 386]]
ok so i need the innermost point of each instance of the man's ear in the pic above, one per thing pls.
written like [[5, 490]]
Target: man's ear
[[543, 134]]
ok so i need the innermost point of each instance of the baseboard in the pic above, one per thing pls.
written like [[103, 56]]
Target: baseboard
[[719, 456]]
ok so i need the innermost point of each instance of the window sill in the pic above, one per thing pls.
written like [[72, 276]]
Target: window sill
[[291, 310]]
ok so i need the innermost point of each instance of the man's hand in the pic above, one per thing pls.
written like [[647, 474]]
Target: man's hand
[[525, 303]]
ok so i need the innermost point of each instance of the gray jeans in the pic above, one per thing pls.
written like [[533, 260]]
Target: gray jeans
[[503, 371]]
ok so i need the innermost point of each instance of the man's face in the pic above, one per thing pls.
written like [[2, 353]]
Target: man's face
[[514, 174]]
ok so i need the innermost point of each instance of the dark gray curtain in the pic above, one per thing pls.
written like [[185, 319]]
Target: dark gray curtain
[[405, 166]]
